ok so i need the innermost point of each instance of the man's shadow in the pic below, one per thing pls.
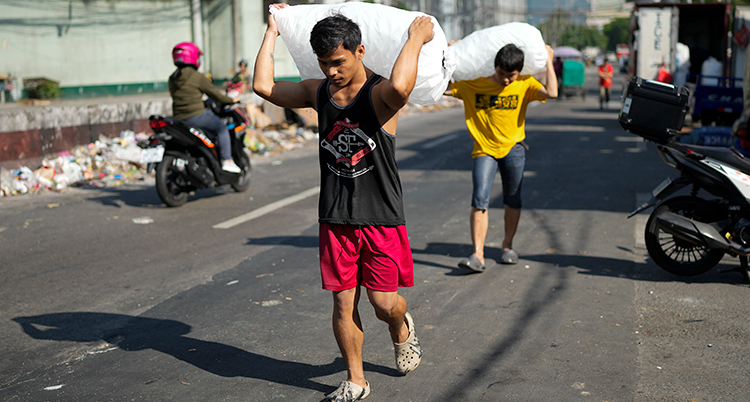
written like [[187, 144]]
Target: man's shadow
[[167, 336]]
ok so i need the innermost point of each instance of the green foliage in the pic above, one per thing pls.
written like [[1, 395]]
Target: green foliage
[[560, 30], [579, 37], [48, 90], [617, 31], [402, 5]]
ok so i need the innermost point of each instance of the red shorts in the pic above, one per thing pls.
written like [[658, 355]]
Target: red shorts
[[376, 257]]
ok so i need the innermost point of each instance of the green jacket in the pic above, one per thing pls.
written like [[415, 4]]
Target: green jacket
[[187, 86]]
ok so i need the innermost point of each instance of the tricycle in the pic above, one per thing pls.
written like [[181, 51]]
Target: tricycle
[[716, 99]]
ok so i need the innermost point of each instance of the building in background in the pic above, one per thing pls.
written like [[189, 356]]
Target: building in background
[[593, 13], [118, 47], [104, 47], [459, 18], [604, 11]]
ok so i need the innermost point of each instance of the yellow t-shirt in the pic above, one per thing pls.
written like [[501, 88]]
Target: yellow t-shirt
[[496, 115]]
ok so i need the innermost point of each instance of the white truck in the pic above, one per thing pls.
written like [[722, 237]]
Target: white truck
[[706, 29]]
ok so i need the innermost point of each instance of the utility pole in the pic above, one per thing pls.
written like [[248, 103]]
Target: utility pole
[[236, 32], [196, 14]]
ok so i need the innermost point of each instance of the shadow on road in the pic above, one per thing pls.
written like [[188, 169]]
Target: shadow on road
[[586, 264], [167, 336], [144, 196], [649, 272], [296, 241]]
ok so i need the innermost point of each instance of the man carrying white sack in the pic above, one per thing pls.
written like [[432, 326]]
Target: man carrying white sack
[[495, 112], [363, 240]]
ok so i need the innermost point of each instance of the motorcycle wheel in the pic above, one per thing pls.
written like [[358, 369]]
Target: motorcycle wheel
[[675, 255], [170, 184], [244, 182]]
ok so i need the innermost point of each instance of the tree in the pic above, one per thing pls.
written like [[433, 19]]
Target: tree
[[580, 36], [617, 31]]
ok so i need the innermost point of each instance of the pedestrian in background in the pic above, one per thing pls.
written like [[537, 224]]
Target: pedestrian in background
[[363, 239], [558, 67], [241, 80], [495, 112], [605, 83]]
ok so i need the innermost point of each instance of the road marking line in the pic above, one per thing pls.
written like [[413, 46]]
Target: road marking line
[[267, 209], [433, 144]]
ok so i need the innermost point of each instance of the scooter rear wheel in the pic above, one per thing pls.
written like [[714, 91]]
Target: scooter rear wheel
[[244, 182], [168, 183], [675, 255]]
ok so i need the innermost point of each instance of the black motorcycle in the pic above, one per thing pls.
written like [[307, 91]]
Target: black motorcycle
[[187, 158], [689, 234]]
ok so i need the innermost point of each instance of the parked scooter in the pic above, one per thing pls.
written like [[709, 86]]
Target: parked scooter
[[186, 158], [689, 234]]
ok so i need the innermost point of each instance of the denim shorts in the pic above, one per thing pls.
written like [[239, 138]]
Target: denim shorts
[[511, 172]]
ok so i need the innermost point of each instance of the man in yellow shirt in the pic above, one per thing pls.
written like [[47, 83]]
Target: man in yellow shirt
[[495, 111]]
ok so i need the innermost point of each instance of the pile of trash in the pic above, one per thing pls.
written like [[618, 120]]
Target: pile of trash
[[108, 162], [112, 162], [273, 140]]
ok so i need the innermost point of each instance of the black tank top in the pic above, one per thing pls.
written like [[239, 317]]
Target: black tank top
[[359, 176]]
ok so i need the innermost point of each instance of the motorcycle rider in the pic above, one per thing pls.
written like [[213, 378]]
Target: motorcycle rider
[[187, 86]]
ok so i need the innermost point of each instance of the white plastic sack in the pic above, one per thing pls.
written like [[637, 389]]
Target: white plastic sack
[[682, 60], [475, 54], [712, 68], [384, 32]]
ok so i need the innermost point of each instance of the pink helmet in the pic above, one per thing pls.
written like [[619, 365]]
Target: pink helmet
[[187, 53]]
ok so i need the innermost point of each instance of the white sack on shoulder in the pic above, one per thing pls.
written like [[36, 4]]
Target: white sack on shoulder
[[384, 32], [475, 54]]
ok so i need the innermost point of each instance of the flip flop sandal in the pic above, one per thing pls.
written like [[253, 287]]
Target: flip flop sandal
[[509, 257], [472, 264], [349, 392], [409, 353]]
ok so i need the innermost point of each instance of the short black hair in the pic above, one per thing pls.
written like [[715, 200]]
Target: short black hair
[[509, 58], [330, 32]]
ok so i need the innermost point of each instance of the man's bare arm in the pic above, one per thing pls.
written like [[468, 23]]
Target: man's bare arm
[[550, 87], [282, 93]]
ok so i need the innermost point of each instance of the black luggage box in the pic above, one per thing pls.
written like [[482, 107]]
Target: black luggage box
[[654, 110]]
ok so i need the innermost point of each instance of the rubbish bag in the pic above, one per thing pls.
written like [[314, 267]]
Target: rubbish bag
[[475, 54], [682, 60], [384, 32], [711, 68]]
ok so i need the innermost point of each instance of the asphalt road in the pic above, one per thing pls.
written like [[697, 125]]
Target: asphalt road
[[97, 307]]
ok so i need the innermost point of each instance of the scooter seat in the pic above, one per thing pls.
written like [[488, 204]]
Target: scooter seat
[[726, 155], [186, 127]]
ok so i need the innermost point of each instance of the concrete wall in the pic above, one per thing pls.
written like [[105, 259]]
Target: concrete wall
[[92, 42], [86, 43], [219, 46], [253, 14], [28, 134]]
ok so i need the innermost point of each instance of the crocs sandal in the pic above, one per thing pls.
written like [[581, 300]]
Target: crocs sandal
[[409, 353], [509, 257], [472, 264], [349, 392]]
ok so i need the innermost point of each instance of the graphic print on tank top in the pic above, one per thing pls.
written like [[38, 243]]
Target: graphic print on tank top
[[349, 144]]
